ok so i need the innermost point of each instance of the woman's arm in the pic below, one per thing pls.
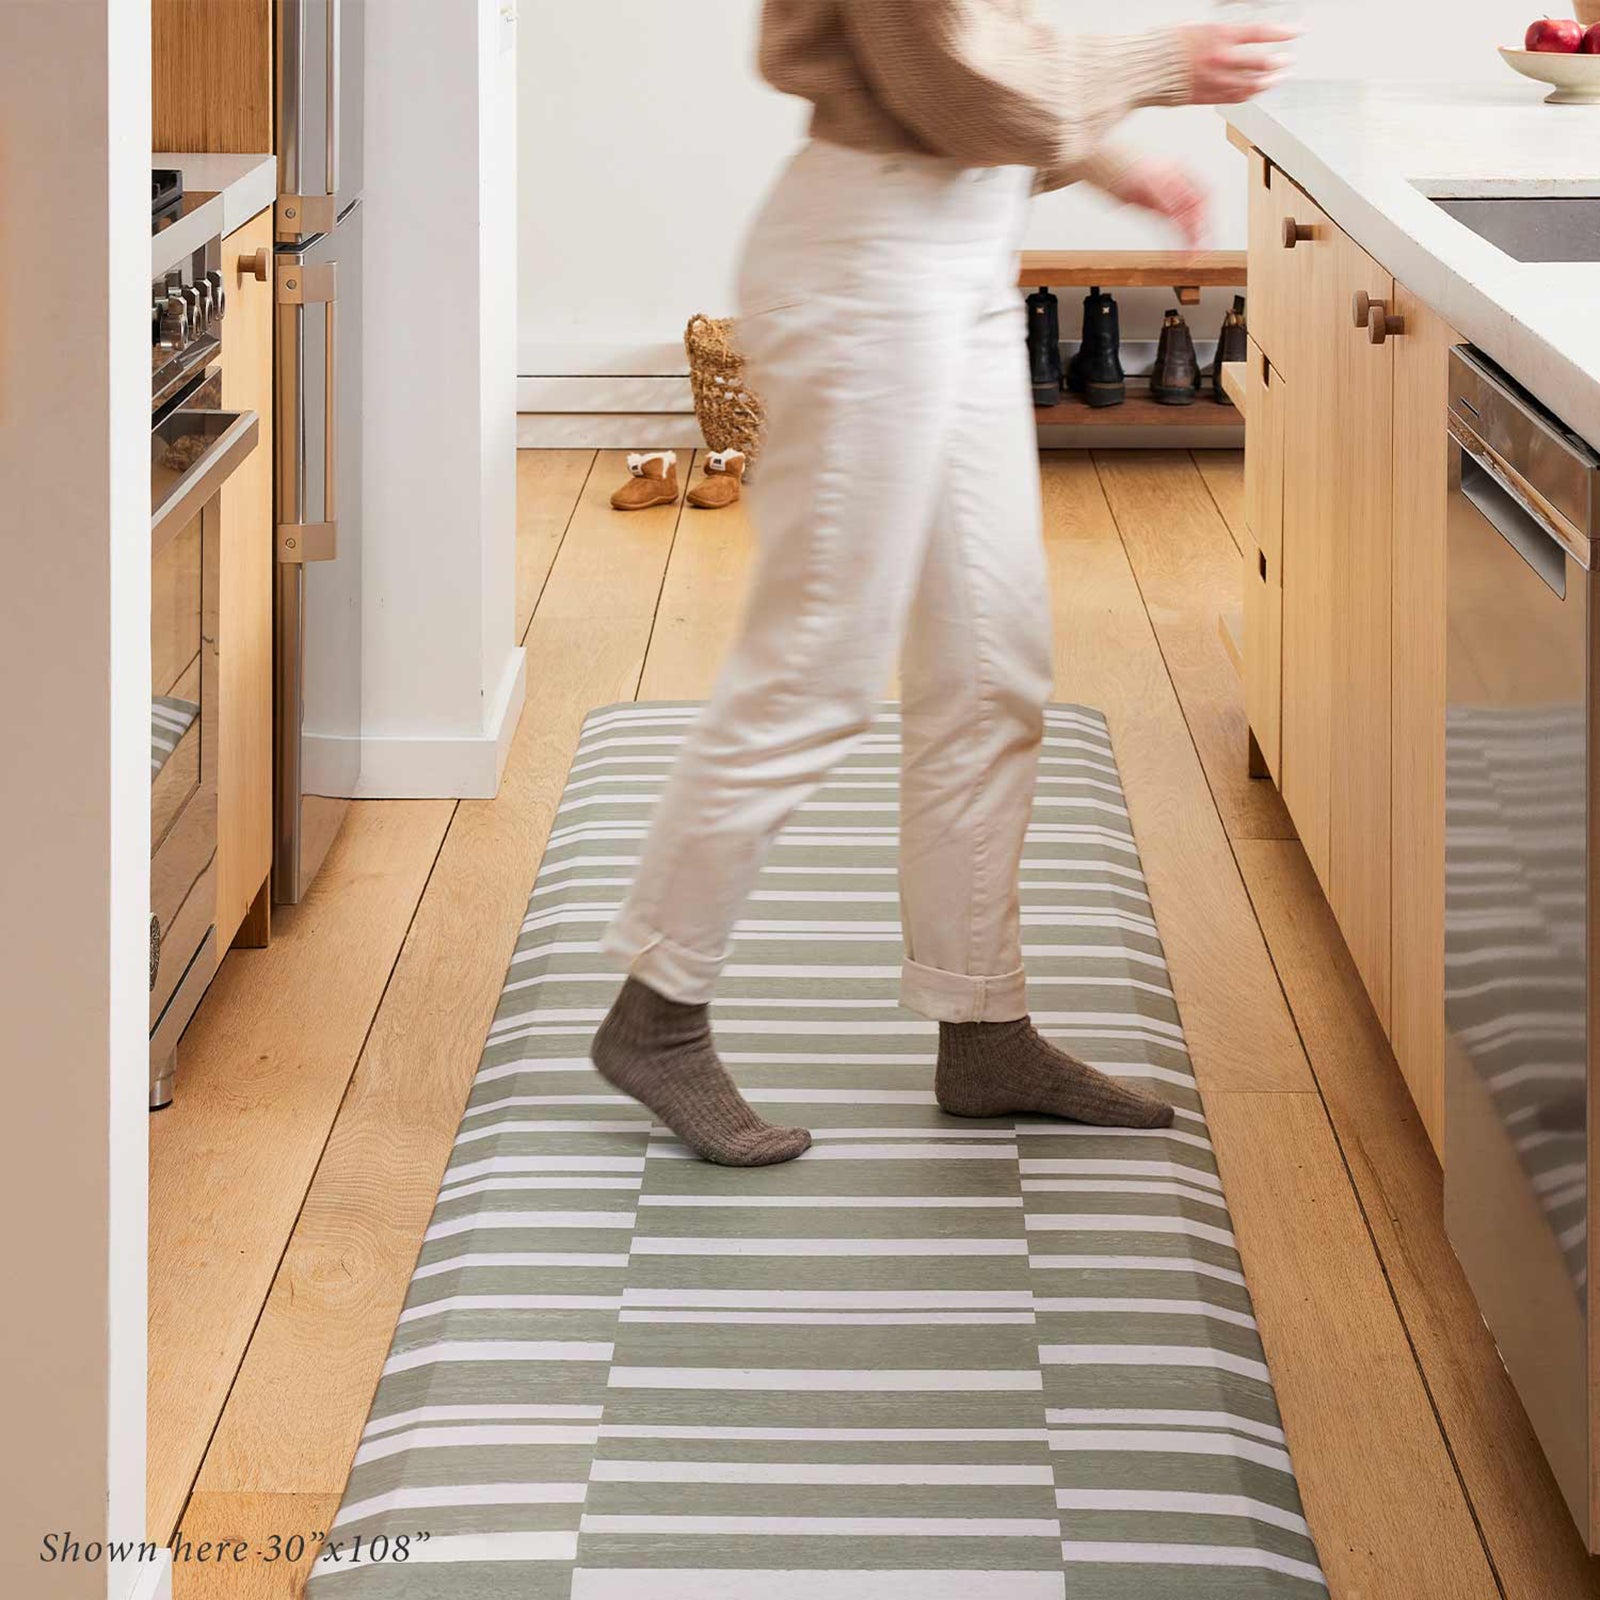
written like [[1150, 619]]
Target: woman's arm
[[988, 83], [991, 85]]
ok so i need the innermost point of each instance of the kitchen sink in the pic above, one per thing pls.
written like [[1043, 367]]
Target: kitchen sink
[[1533, 228]]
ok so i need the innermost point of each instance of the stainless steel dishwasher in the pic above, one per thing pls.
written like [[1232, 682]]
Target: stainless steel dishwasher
[[1519, 819]]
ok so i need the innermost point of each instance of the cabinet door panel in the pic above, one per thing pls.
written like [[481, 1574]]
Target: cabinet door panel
[[1362, 421], [244, 773], [1263, 459], [1267, 266], [1310, 485], [1421, 378], [1278, 273], [1263, 657], [1263, 560]]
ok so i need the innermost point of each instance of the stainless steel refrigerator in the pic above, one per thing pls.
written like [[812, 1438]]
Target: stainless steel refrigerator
[[317, 711]]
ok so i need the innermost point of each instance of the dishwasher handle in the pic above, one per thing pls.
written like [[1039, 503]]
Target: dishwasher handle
[[1510, 504]]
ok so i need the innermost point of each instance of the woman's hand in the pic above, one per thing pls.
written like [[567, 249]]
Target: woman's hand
[[1228, 63], [1168, 190]]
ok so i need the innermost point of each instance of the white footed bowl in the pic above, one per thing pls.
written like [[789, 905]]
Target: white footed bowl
[[1576, 78]]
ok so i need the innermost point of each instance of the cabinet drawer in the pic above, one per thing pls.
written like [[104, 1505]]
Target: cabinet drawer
[[1277, 268], [1263, 456]]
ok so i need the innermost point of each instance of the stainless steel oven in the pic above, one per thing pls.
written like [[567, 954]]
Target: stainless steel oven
[[1519, 834], [194, 447]]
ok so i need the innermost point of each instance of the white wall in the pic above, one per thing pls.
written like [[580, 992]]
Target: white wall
[[647, 140], [75, 784], [442, 674]]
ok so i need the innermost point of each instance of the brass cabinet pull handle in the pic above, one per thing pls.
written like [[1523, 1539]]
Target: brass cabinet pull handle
[[1295, 232], [258, 266]]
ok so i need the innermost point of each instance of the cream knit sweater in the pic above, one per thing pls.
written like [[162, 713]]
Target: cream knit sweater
[[985, 82]]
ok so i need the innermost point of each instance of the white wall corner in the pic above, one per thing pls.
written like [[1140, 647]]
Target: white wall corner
[[428, 766]]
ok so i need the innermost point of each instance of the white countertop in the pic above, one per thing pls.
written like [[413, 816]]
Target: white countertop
[[1371, 154], [241, 185]]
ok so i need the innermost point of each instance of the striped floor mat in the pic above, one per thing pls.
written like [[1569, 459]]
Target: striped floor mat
[[932, 1360]]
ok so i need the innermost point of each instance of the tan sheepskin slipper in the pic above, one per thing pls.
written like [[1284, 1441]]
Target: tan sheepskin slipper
[[720, 486], [654, 482]]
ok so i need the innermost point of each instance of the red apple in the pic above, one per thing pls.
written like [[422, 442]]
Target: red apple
[[1591, 41], [1561, 36]]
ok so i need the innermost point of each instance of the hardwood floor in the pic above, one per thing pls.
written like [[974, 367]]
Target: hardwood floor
[[322, 1081]]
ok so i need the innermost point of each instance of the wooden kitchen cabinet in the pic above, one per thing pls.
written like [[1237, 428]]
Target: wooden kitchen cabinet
[[1346, 470], [1361, 405], [1263, 564], [244, 770], [1417, 706], [1337, 522], [1275, 270], [1308, 341], [211, 75]]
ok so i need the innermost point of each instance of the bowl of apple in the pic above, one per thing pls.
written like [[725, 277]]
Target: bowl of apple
[[1564, 53]]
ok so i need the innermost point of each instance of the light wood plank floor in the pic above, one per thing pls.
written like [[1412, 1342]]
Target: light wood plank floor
[[322, 1081]]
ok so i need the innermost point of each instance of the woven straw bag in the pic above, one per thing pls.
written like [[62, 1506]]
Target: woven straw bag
[[730, 416]]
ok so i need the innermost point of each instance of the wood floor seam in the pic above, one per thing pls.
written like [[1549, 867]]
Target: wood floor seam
[[332, 1124]]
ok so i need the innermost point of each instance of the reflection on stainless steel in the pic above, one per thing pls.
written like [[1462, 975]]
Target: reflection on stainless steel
[[194, 447], [187, 305], [320, 219], [183, 794], [1517, 815]]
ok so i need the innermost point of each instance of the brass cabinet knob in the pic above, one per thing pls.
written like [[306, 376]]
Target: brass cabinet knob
[[1382, 324], [1295, 232], [258, 266]]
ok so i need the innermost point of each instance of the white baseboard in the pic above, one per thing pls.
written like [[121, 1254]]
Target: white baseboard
[[665, 360], [593, 430], [152, 1580], [429, 767], [604, 393]]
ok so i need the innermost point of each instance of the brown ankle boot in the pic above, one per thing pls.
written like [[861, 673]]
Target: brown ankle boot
[[720, 486], [654, 482]]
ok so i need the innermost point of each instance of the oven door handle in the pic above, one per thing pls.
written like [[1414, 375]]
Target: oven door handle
[[1524, 498], [205, 477]]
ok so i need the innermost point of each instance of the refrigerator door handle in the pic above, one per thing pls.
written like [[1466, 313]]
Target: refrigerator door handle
[[301, 284]]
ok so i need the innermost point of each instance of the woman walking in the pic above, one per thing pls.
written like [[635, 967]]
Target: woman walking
[[898, 509]]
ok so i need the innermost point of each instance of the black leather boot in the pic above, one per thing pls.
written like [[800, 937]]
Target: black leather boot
[[1095, 371], [1233, 344], [1176, 378], [1044, 347]]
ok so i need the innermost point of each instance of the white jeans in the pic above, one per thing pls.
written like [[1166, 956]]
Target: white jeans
[[897, 505]]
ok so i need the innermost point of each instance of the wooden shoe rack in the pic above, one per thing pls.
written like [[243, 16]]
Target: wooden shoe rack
[[1186, 273]]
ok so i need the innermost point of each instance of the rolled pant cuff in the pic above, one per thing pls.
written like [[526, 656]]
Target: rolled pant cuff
[[956, 997], [683, 975]]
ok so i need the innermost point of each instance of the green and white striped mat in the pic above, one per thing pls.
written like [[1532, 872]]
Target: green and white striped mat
[[931, 1360]]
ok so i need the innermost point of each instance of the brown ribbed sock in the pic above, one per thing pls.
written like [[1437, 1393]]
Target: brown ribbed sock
[[998, 1069], [660, 1052]]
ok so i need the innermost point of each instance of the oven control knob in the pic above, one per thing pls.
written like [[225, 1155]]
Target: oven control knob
[[219, 297], [207, 310], [175, 322]]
